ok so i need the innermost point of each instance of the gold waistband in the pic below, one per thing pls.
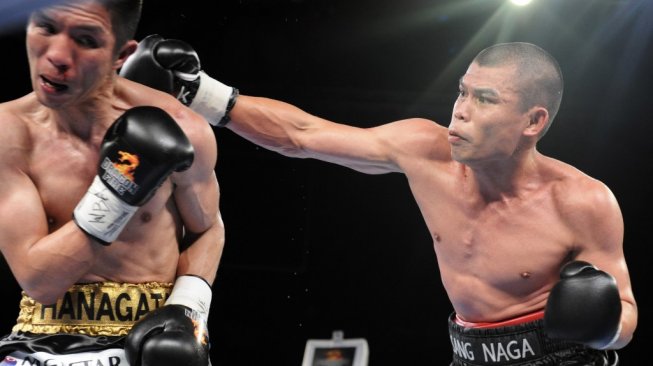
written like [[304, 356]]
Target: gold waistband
[[103, 308]]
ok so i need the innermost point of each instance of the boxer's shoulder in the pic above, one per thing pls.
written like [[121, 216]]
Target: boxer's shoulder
[[193, 125], [417, 139], [18, 121], [134, 94], [584, 202], [573, 188]]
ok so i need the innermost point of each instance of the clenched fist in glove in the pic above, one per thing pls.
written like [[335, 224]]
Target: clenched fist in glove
[[584, 306], [172, 66], [176, 333]]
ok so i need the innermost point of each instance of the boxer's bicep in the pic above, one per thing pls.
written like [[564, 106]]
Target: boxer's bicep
[[599, 228], [23, 220], [197, 197], [600, 239]]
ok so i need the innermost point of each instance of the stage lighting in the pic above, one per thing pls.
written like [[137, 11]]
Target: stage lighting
[[521, 2]]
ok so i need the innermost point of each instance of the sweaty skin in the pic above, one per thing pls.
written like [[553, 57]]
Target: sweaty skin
[[49, 156], [503, 217]]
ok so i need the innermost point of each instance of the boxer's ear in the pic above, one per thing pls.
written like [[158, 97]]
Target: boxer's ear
[[124, 53], [538, 119]]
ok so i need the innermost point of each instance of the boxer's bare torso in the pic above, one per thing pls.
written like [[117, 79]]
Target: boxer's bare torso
[[498, 253], [502, 225], [59, 164]]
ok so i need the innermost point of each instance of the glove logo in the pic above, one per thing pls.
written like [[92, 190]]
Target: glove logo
[[127, 164], [9, 361], [201, 334], [200, 331], [120, 175]]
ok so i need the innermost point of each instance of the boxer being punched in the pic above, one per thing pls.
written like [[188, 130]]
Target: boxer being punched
[[530, 249], [109, 213]]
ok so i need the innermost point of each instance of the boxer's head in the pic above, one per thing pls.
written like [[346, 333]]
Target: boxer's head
[[75, 47], [538, 78], [508, 98]]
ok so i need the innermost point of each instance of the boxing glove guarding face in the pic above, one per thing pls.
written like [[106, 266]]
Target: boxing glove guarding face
[[139, 151]]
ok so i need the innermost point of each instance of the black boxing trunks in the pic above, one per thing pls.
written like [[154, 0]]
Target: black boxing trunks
[[86, 327], [518, 342]]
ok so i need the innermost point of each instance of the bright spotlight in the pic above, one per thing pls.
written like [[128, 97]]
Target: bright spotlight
[[521, 2]]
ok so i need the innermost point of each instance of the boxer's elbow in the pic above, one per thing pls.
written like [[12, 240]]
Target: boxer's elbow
[[629, 317], [293, 151], [290, 145], [43, 294], [41, 287], [310, 138]]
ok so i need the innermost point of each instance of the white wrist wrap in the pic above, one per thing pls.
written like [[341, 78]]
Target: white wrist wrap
[[211, 99], [101, 213], [192, 292]]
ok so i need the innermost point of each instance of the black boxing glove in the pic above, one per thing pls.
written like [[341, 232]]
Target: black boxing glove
[[139, 151], [176, 333], [584, 306], [172, 66]]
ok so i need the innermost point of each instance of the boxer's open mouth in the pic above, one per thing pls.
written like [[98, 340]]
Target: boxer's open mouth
[[58, 87]]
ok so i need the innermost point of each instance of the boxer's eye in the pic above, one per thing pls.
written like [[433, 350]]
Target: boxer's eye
[[46, 28], [87, 41], [485, 98]]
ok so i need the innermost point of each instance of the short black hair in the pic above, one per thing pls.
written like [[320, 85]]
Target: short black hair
[[125, 16]]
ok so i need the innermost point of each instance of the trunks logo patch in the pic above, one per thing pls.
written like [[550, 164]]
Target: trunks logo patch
[[101, 306], [496, 350], [109, 357]]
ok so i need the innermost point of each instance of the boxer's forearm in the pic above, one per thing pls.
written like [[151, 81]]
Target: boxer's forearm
[[272, 124], [56, 262], [202, 253], [628, 325]]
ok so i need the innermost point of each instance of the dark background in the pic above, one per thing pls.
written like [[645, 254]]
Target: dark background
[[313, 247]]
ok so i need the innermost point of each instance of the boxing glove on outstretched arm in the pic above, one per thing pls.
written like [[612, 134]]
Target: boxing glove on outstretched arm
[[139, 151], [584, 306], [172, 66], [176, 333]]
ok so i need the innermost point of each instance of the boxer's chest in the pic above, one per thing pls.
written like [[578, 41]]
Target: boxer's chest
[[62, 171], [505, 247], [503, 243]]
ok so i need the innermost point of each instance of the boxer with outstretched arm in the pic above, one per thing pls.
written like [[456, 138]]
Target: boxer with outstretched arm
[[109, 213], [530, 249]]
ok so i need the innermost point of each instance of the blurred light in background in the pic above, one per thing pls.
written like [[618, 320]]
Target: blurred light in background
[[14, 13]]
